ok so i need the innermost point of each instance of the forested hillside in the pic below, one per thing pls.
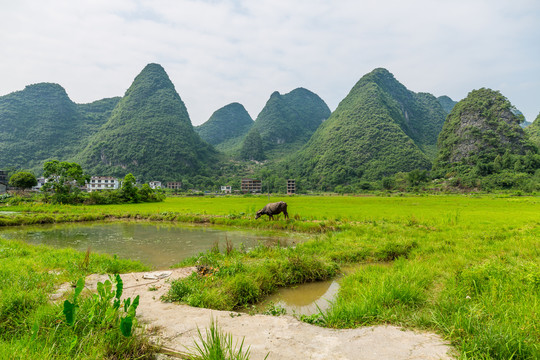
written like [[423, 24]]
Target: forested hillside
[[287, 121], [534, 131], [447, 103], [379, 129], [149, 134], [229, 122], [482, 145], [41, 122], [478, 129]]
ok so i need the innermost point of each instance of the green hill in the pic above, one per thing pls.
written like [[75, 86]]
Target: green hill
[[534, 131], [41, 122], [229, 122], [379, 129], [447, 103], [149, 134], [287, 121], [98, 112], [478, 129]]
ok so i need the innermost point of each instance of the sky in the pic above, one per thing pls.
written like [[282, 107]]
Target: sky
[[221, 51]]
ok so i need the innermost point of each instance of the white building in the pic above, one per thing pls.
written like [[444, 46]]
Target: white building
[[40, 182], [103, 183], [155, 184], [226, 189]]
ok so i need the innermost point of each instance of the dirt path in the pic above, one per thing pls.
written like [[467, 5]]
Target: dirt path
[[175, 327]]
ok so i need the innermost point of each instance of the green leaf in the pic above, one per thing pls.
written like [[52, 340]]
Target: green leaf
[[78, 289], [119, 286], [69, 312], [126, 325]]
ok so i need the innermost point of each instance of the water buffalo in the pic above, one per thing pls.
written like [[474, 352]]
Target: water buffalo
[[272, 209]]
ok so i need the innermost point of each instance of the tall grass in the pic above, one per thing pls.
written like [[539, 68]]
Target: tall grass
[[217, 345]]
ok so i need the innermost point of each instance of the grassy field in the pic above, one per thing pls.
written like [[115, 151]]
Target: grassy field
[[466, 267], [31, 327]]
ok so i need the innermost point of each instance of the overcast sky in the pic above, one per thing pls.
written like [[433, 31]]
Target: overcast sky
[[222, 51]]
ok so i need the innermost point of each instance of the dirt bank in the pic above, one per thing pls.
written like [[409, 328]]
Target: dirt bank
[[175, 327]]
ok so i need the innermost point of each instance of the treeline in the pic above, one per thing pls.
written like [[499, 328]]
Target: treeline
[[64, 182]]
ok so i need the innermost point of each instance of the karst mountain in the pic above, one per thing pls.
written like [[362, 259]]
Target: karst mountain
[[380, 128], [149, 134]]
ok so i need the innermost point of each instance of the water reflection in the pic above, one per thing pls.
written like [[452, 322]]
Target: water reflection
[[154, 244]]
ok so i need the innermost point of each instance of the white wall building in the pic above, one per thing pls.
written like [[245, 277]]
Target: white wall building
[[226, 189], [103, 183], [40, 182], [155, 184]]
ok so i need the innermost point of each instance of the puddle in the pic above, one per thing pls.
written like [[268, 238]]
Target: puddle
[[310, 298], [304, 299]]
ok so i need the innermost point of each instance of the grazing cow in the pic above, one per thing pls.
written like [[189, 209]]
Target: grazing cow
[[272, 209]]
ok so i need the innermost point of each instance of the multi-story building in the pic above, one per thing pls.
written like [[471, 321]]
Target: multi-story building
[[227, 189], [175, 185], [251, 186], [102, 183], [291, 186]]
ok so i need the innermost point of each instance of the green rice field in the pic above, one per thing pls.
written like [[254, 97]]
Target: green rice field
[[465, 267]]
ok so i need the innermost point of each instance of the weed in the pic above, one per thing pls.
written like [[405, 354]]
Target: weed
[[218, 345], [274, 310]]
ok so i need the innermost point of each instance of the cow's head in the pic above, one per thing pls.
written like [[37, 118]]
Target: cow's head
[[258, 214]]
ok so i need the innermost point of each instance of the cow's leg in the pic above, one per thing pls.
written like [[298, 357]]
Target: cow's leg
[[271, 217], [286, 214]]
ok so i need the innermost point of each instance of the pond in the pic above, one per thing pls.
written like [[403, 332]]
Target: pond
[[162, 245], [157, 245]]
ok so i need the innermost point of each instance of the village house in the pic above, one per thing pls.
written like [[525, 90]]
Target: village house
[[102, 183], [155, 184], [226, 189], [40, 182]]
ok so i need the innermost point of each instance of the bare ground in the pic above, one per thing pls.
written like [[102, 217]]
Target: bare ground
[[175, 327]]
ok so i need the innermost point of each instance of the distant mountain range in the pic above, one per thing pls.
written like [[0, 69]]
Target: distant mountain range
[[380, 128], [284, 124]]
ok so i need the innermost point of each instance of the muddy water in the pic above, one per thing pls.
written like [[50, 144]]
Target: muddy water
[[156, 245], [310, 298], [305, 299]]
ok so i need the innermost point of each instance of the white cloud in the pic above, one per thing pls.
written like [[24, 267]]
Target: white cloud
[[217, 52]]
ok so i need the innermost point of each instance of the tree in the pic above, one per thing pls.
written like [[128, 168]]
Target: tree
[[128, 191], [417, 177], [252, 148], [63, 178], [23, 180]]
